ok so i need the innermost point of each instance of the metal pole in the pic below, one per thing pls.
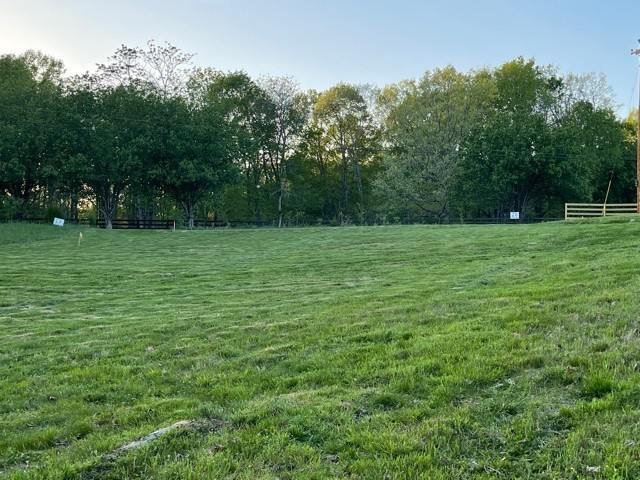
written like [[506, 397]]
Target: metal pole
[[637, 52]]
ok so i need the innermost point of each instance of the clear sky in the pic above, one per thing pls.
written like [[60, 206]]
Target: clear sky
[[323, 42]]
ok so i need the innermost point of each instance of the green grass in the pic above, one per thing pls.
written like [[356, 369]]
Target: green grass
[[380, 352]]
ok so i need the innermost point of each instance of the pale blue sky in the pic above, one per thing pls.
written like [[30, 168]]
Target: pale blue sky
[[321, 43]]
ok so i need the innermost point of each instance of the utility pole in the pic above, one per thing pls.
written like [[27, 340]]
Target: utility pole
[[637, 52]]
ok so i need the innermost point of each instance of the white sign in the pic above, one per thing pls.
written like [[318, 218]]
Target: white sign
[[58, 222], [514, 215]]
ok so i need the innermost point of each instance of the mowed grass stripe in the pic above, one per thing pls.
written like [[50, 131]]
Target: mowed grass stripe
[[416, 352]]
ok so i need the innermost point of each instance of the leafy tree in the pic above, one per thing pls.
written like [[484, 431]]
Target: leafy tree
[[165, 68], [541, 144], [625, 186], [341, 112], [289, 118], [424, 132], [113, 133], [590, 153], [507, 164], [191, 155], [507, 157], [315, 183], [43, 67], [162, 71], [185, 148], [249, 115], [30, 101]]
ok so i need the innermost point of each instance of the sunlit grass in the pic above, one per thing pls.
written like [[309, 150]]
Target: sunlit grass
[[410, 352]]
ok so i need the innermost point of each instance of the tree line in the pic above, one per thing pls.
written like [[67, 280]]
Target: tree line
[[149, 136]]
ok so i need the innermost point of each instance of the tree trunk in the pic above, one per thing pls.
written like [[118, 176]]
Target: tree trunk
[[74, 208], [280, 180], [345, 184], [108, 216], [190, 214], [358, 178], [108, 206]]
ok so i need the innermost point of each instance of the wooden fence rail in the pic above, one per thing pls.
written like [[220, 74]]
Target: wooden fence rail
[[582, 210], [138, 224]]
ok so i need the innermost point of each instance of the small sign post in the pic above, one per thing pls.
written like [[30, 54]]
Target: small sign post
[[514, 215], [58, 222]]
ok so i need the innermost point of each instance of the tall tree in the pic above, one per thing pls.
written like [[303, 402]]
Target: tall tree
[[163, 71], [30, 102], [589, 153], [508, 162], [289, 118], [315, 181], [249, 115], [165, 68], [507, 156], [43, 67], [113, 135], [341, 112], [192, 153], [424, 132], [542, 144]]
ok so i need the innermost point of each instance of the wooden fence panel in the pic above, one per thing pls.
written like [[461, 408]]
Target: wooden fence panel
[[582, 210], [138, 224]]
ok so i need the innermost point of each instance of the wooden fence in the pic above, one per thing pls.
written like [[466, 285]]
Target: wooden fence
[[135, 224], [583, 210]]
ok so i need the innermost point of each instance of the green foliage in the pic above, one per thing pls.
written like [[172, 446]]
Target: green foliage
[[536, 150], [439, 352], [30, 102], [341, 117], [513, 154], [113, 135], [148, 136], [249, 114], [190, 156], [425, 131]]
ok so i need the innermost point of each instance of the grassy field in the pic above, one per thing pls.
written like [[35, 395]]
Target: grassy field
[[381, 352]]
